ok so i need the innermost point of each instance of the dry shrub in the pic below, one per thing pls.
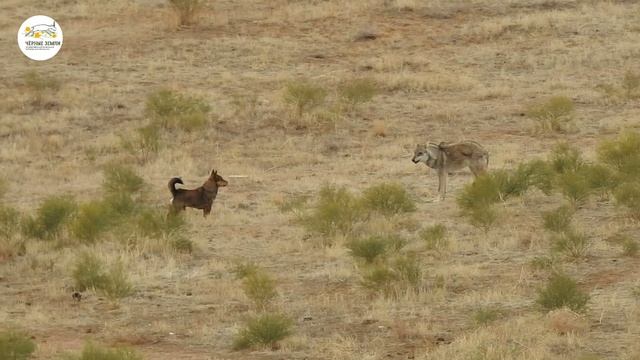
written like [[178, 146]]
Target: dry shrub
[[553, 114], [186, 10], [564, 321]]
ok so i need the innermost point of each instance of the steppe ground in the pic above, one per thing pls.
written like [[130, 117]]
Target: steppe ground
[[445, 70]]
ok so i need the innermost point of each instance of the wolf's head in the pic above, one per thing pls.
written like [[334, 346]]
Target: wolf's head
[[428, 154]]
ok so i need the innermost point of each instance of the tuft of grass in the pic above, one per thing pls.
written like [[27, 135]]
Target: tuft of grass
[[295, 204], [91, 351], [562, 291], [4, 187], [434, 237], [145, 143], [336, 211], [485, 316], [357, 91], [93, 219], [572, 243], [543, 262], [379, 277], [388, 199], [553, 114], [242, 270], [266, 330], [628, 195], [574, 186], [630, 247], [408, 269], [304, 96], [121, 179], [39, 85], [369, 249], [170, 110], [600, 179], [9, 222], [565, 158], [631, 84], [50, 217], [260, 288], [186, 10], [89, 273], [155, 223], [15, 345], [558, 220], [623, 154]]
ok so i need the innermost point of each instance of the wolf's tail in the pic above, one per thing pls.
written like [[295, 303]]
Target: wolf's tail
[[172, 185]]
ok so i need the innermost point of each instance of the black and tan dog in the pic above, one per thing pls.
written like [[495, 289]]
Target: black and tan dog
[[199, 198]]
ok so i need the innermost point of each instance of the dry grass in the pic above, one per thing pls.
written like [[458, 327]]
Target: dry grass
[[442, 70]]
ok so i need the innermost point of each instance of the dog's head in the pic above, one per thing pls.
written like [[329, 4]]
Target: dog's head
[[428, 154], [217, 179]]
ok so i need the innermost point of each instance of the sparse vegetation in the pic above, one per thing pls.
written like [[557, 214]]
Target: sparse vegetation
[[558, 220], [266, 330], [630, 247], [357, 91], [304, 96], [186, 10], [434, 237], [169, 109], [51, 217], [562, 291], [572, 243], [15, 345], [89, 274], [388, 199], [335, 211], [485, 316], [552, 115], [91, 351], [371, 248], [259, 287]]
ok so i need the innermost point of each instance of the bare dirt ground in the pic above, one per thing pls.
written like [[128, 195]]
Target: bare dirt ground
[[446, 70]]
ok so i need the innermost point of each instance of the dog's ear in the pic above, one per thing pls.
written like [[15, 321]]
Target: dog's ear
[[213, 172]]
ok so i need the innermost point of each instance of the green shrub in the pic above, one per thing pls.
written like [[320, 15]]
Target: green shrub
[[242, 270], [558, 220], [482, 192], [485, 316], [565, 158], [599, 178], [39, 83], [50, 217], [623, 154], [379, 277], [553, 114], [266, 330], [89, 273], [121, 179], [574, 186], [369, 249], [170, 109], [408, 269], [94, 352], [357, 91], [628, 195], [482, 217], [543, 262], [15, 345], [304, 96], [434, 237], [93, 219], [541, 175], [630, 247], [388, 199], [260, 288], [562, 291], [571, 243], [145, 142], [336, 211], [9, 221], [631, 84], [186, 10]]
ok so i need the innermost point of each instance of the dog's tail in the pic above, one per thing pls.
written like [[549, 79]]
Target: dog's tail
[[172, 185]]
